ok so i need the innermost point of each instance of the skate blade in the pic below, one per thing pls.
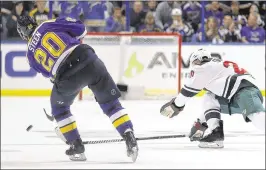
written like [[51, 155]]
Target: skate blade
[[216, 144], [78, 157], [133, 154]]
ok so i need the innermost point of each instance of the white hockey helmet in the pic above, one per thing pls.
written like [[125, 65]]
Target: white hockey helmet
[[199, 55]]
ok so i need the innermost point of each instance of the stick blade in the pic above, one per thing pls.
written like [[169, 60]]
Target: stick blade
[[51, 118]]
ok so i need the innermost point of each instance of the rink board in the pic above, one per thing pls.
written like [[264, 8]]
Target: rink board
[[17, 79], [45, 93]]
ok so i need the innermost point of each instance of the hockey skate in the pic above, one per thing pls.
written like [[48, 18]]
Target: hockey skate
[[214, 138], [76, 151], [132, 146], [197, 131]]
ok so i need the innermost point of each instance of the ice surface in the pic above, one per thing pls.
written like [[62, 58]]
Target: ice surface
[[40, 148]]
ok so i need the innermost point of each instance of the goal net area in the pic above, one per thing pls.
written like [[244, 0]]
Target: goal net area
[[145, 65]]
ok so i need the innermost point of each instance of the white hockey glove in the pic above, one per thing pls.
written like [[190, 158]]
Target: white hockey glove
[[170, 109]]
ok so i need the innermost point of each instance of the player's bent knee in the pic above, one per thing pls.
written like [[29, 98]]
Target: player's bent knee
[[111, 107], [57, 111], [250, 101], [210, 102]]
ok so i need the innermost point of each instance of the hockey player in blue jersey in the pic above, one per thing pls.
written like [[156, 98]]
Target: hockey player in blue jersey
[[55, 51]]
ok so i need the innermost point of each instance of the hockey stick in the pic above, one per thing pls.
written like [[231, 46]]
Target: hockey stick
[[51, 118], [142, 138]]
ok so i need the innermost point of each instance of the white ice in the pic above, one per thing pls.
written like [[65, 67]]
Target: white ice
[[40, 148]]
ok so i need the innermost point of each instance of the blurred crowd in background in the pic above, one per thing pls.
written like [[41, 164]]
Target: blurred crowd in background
[[197, 21]]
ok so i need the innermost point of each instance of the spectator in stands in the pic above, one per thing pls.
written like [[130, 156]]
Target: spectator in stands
[[239, 20], [223, 6], [137, 15], [152, 4], [163, 12], [149, 25], [263, 12], [6, 8], [1, 26], [254, 9], [95, 14], [115, 23], [228, 31], [110, 8], [28, 6], [178, 25], [40, 13], [192, 13], [215, 12], [3, 29], [252, 33], [263, 8], [210, 32], [70, 9], [244, 7], [12, 19]]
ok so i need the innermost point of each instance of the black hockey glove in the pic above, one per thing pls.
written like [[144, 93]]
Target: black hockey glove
[[170, 109]]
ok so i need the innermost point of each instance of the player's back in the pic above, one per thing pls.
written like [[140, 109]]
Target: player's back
[[52, 41], [218, 77], [222, 78]]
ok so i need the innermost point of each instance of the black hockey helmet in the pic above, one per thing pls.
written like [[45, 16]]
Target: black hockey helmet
[[26, 26]]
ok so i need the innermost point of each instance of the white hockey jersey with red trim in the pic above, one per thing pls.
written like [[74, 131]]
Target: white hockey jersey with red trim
[[223, 78]]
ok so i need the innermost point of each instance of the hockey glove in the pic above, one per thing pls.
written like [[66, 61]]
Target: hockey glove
[[170, 109]]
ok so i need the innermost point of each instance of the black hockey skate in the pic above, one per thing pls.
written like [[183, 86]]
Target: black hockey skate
[[76, 151], [132, 146], [213, 139], [197, 131]]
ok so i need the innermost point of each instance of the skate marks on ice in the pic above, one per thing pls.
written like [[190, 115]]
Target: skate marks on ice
[[52, 156], [56, 163], [42, 149], [103, 134], [111, 134], [166, 153]]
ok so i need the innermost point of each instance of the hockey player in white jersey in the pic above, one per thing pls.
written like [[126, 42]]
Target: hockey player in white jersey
[[230, 90]]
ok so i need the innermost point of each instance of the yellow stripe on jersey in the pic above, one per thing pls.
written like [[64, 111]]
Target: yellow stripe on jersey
[[68, 128], [121, 121]]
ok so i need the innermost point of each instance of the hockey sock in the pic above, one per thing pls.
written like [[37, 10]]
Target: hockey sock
[[66, 123], [202, 118], [212, 117], [258, 120], [117, 115]]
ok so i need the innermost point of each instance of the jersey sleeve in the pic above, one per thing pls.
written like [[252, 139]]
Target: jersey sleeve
[[74, 27], [244, 32], [197, 81]]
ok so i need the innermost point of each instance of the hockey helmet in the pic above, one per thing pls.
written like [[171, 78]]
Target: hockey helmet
[[199, 56], [26, 26]]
